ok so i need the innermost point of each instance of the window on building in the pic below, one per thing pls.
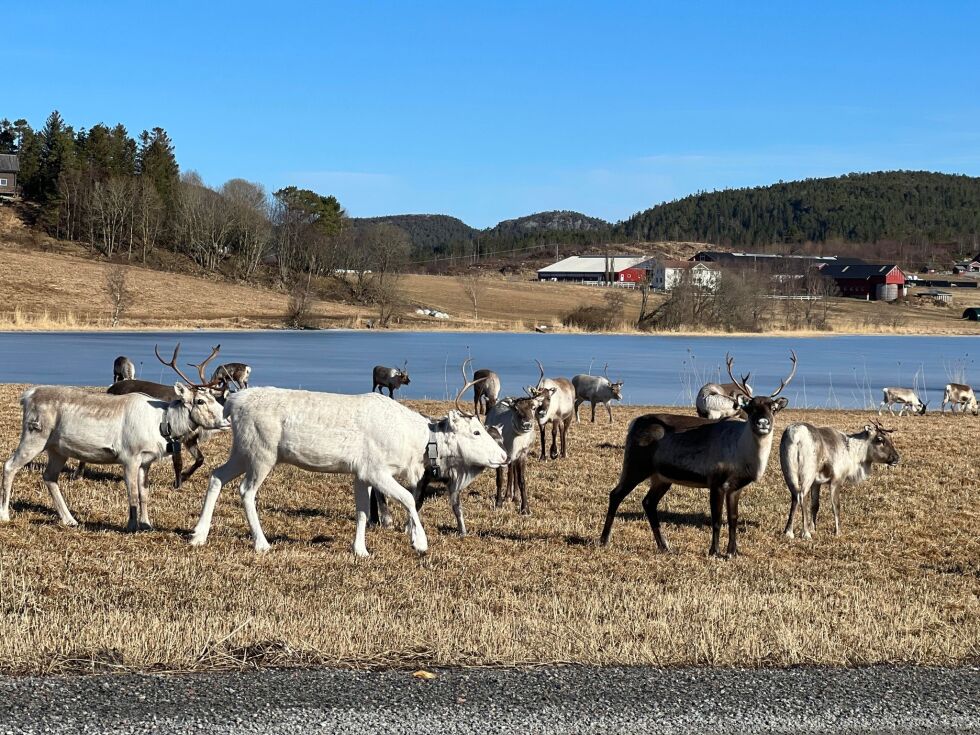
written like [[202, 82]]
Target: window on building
[[3, 182]]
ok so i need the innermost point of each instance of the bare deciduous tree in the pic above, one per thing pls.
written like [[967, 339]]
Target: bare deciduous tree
[[249, 210], [205, 222], [474, 285], [117, 292]]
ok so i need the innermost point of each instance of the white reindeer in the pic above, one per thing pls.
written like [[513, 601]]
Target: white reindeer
[[814, 456], [907, 398], [596, 389], [131, 430], [370, 436]]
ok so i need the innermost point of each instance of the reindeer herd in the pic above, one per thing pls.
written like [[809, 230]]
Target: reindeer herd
[[395, 453]]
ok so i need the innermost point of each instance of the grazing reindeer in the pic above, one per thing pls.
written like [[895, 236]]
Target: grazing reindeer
[[723, 400], [957, 394], [596, 389], [723, 456], [133, 430], [561, 411], [123, 369], [390, 378], [906, 397], [232, 372], [515, 419], [366, 436], [486, 389], [813, 457]]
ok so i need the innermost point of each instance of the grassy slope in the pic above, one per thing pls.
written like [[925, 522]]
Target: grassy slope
[[900, 584]]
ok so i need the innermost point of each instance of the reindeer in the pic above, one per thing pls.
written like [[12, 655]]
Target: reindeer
[[596, 389], [514, 418], [958, 394], [390, 378], [813, 457], [133, 430], [723, 400], [123, 369], [561, 411], [232, 372], [379, 442], [906, 397], [486, 388], [167, 393], [723, 456]]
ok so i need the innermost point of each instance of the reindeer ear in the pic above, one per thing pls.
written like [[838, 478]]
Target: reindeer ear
[[869, 429], [780, 403], [183, 392]]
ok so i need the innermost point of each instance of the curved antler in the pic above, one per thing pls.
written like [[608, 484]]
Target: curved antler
[[200, 367], [605, 371], [785, 382], [463, 367], [741, 385], [877, 424], [173, 364], [541, 368], [469, 384]]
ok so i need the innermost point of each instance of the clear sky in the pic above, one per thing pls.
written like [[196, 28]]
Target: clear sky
[[488, 111]]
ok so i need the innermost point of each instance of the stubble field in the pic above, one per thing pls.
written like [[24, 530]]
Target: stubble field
[[900, 584]]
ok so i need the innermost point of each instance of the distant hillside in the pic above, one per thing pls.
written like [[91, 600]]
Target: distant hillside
[[429, 233], [915, 207], [555, 221]]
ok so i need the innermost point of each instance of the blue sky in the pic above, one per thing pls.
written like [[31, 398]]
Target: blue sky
[[488, 111]]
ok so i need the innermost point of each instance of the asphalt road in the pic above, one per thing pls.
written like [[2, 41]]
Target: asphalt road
[[553, 700]]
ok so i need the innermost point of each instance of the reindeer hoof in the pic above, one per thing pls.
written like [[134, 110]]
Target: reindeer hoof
[[362, 553], [198, 540], [262, 546], [806, 536], [790, 535], [524, 511], [144, 526]]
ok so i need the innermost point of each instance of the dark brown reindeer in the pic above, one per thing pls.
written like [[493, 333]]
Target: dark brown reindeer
[[123, 369], [164, 392], [723, 456], [390, 378], [232, 372], [486, 391]]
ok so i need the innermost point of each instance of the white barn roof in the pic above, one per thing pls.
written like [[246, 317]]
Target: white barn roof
[[593, 264]]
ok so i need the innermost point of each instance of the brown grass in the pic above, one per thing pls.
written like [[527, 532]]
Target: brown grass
[[900, 585]]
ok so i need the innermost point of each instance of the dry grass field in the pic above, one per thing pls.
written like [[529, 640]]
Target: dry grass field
[[900, 585]]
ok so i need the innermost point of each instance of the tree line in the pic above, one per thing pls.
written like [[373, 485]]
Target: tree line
[[913, 207], [126, 197]]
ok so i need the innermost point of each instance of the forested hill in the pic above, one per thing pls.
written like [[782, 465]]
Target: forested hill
[[441, 234], [428, 232], [906, 206], [555, 221]]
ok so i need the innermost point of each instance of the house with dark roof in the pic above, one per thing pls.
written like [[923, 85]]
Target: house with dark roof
[[773, 261], [866, 281], [9, 166]]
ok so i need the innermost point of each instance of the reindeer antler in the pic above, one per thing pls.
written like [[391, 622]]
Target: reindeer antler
[[605, 371], [879, 427], [785, 382], [200, 367], [541, 368], [741, 385], [463, 367], [173, 364]]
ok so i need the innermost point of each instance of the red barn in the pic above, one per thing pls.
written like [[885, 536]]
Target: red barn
[[866, 281]]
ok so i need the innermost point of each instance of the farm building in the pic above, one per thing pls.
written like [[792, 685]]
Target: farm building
[[936, 295], [866, 281], [9, 166], [776, 262], [592, 269], [668, 273]]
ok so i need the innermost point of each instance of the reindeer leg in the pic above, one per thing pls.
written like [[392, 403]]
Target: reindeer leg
[[177, 460], [522, 484], [592, 403], [717, 501], [248, 489], [362, 501], [835, 505], [815, 504], [631, 476], [651, 502], [144, 496], [794, 501], [564, 433], [731, 501], [194, 448], [578, 403], [31, 445], [56, 463], [609, 411], [234, 467], [554, 440], [499, 502], [131, 476]]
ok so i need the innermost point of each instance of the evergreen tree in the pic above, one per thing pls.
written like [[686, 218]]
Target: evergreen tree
[[155, 160]]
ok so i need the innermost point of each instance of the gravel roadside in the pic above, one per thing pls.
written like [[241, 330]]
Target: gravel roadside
[[548, 700]]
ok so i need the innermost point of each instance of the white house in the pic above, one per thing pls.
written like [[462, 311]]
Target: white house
[[668, 273]]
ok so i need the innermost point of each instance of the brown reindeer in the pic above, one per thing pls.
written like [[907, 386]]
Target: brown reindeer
[[723, 456]]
